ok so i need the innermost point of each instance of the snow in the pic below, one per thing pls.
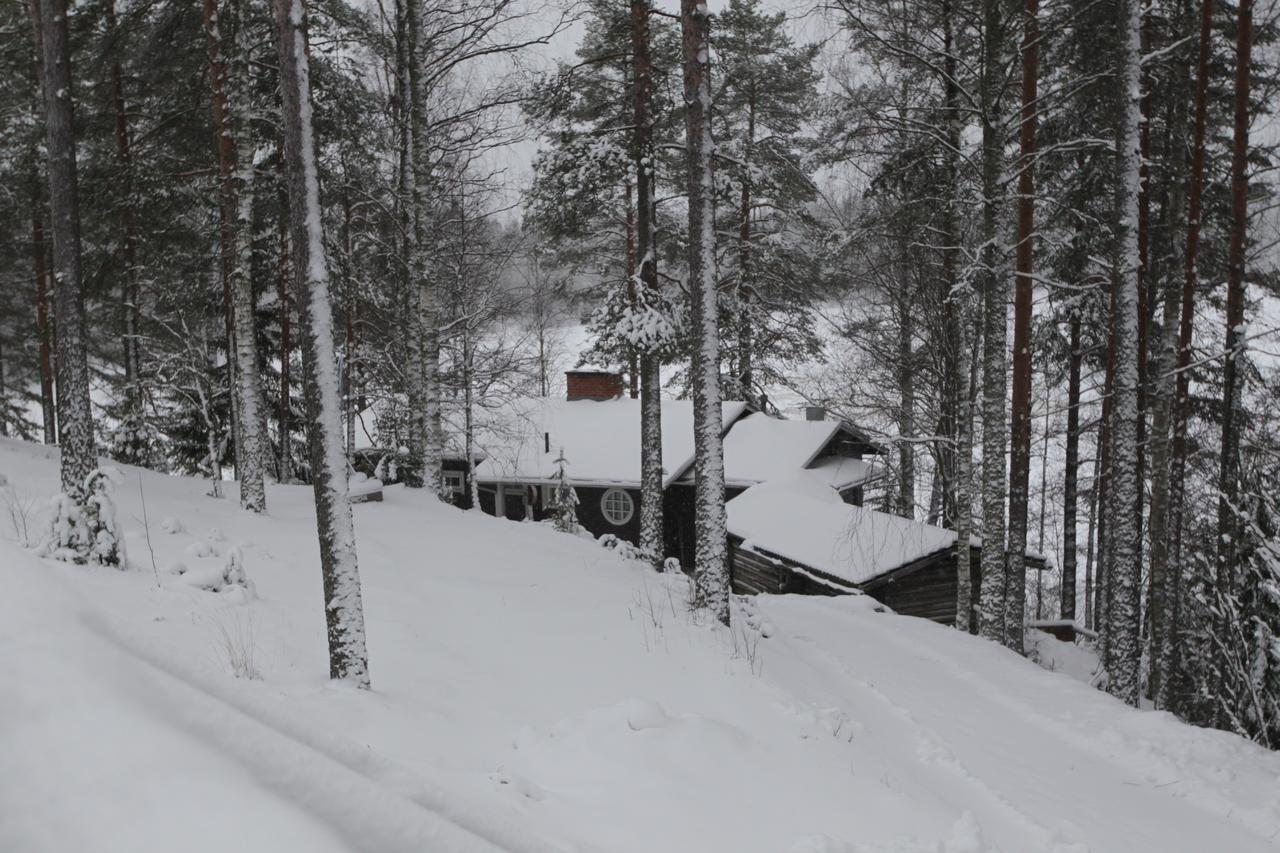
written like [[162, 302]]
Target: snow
[[761, 447], [842, 472], [803, 519], [600, 438], [535, 692]]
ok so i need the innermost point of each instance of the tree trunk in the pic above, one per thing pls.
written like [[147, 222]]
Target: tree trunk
[[415, 391], [1090, 603], [1020, 450], [1166, 358], [286, 342], [1229, 526], [1170, 651], [48, 410], [633, 358], [992, 609], [349, 323], [1122, 626], [343, 609], [128, 255], [224, 137], [75, 417], [1070, 500], [906, 407], [651, 521], [957, 323], [746, 344], [432, 447], [711, 569], [251, 461]]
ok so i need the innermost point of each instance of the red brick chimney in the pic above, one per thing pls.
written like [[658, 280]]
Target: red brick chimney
[[589, 384]]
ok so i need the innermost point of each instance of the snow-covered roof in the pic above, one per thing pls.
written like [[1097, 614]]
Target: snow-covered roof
[[761, 447], [843, 472], [600, 439], [803, 519]]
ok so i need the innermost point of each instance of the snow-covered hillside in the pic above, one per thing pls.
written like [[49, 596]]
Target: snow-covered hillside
[[535, 692]]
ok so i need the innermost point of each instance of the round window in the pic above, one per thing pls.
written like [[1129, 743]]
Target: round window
[[617, 506]]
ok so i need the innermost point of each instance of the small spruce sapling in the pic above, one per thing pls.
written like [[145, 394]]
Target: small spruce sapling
[[88, 533], [564, 500]]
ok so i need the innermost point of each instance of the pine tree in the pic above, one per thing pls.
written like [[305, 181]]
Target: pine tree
[[646, 285], [711, 567], [1020, 457], [79, 458], [1171, 641], [344, 612]]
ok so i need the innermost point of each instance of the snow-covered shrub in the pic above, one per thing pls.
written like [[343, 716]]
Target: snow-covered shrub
[[172, 525], [83, 533], [231, 577], [621, 547], [671, 566]]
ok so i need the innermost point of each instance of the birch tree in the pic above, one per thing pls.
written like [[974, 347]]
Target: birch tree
[[344, 612]]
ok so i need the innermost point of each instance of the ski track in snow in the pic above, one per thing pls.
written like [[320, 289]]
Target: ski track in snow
[[959, 737], [533, 692]]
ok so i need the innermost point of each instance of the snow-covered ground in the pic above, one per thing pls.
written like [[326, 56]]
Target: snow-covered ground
[[535, 692]]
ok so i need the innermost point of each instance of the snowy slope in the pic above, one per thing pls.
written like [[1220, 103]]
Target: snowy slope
[[533, 691]]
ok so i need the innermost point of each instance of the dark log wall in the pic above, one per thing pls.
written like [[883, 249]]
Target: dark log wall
[[753, 572], [930, 590]]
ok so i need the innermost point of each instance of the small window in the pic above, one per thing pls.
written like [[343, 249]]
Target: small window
[[453, 481], [617, 506]]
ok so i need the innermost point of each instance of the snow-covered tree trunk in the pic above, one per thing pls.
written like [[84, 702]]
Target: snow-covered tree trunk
[[746, 328], [250, 469], [957, 332], [1124, 616], [991, 602], [407, 12], [1020, 444], [75, 427], [344, 612], [711, 568], [651, 523], [251, 464], [1171, 645], [426, 321]]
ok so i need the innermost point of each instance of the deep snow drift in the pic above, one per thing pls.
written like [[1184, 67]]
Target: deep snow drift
[[533, 691]]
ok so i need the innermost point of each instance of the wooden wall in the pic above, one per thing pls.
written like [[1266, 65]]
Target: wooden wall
[[928, 589]]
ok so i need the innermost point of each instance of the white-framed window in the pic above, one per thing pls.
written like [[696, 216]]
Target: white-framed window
[[617, 506], [453, 482]]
